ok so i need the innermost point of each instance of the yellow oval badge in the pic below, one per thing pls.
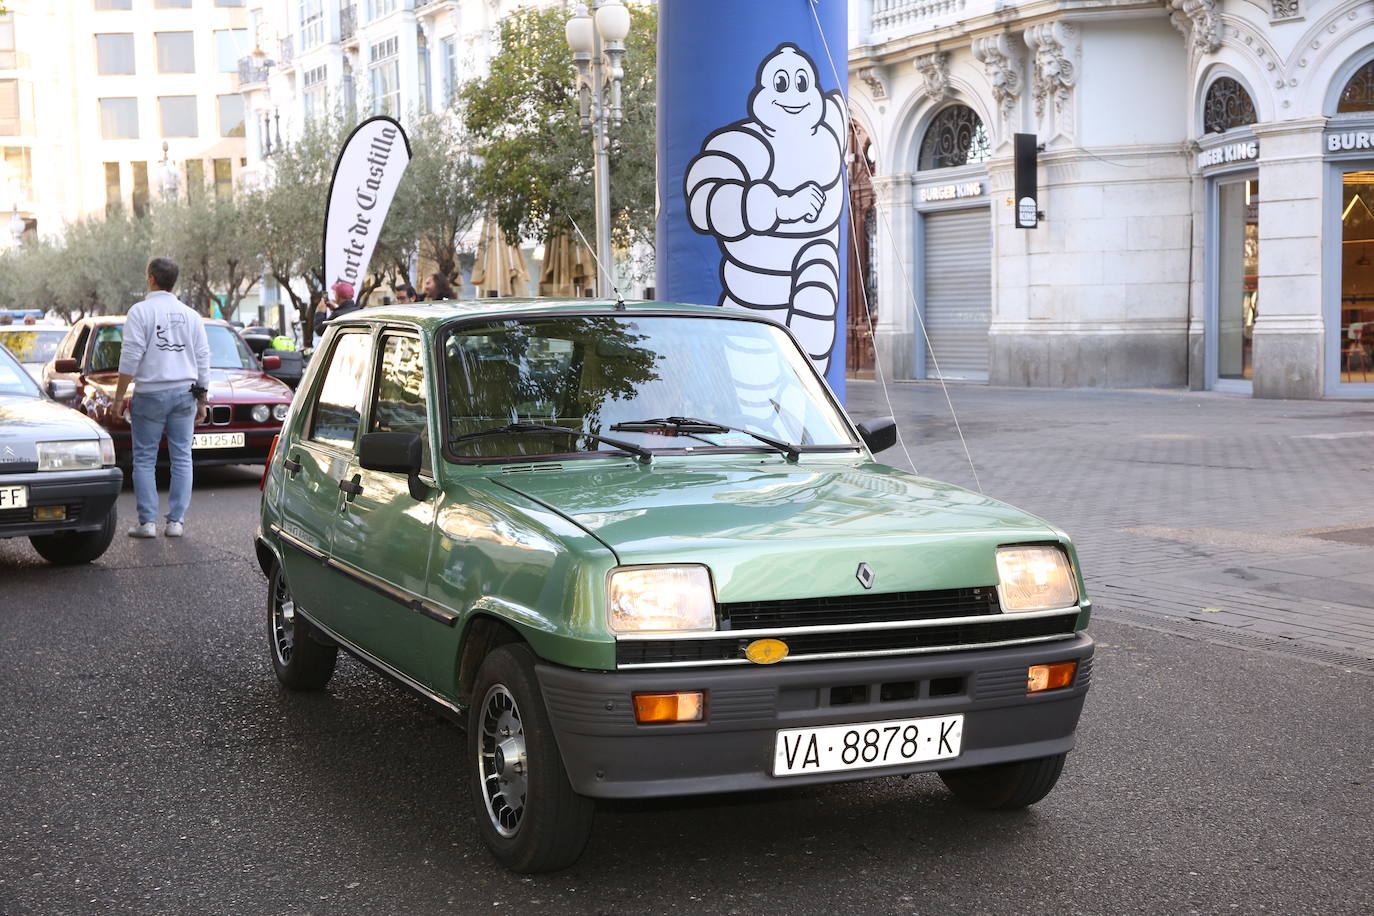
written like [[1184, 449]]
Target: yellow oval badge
[[766, 651]]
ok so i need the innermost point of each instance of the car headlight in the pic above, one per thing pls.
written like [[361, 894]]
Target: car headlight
[[107, 454], [660, 599], [279, 412], [79, 455], [1037, 578], [260, 413]]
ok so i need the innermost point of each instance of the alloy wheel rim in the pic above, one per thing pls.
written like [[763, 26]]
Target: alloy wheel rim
[[283, 622], [502, 760]]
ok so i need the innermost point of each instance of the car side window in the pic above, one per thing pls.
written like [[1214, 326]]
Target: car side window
[[339, 407], [78, 348], [401, 404], [109, 342]]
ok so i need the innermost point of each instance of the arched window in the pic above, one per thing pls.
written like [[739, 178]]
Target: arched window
[[955, 137], [1358, 94], [1227, 105]]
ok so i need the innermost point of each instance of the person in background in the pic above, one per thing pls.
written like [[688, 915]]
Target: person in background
[[166, 356], [437, 288], [343, 305], [405, 293], [29, 319]]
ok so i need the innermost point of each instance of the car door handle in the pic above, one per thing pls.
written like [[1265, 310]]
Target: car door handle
[[352, 487], [291, 465]]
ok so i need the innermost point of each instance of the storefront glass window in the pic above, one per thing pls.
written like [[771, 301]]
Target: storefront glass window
[[1238, 277], [956, 136], [1357, 276]]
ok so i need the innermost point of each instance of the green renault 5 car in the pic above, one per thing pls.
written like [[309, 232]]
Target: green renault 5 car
[[642, 551]]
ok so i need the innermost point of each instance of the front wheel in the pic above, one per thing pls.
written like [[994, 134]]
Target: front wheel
[[72, 548], [527, 811], [301, 663], [1005, 786]]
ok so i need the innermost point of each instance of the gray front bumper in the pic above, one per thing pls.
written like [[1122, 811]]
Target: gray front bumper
[[88, 496], [609, 755]]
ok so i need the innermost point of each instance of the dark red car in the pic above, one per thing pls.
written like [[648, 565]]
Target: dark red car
[[246, 404]]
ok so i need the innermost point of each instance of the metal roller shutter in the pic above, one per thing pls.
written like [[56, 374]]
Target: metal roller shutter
[[958, 293]]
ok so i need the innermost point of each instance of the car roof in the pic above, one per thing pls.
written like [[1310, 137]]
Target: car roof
[[120, 319], [432, 314]]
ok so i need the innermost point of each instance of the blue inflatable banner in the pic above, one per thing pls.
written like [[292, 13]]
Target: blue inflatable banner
[[752, 125]]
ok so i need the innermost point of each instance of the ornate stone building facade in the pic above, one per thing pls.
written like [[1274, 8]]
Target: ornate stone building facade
[[1206, 177]]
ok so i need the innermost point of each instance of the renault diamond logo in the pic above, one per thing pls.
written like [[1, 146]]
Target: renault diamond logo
[[865, 575]]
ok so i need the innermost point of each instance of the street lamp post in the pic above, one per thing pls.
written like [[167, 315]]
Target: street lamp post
[[598, 46], [168, 178]]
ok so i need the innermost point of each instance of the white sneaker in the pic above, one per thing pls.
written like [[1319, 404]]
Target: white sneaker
[[174, 529], [145, 530]]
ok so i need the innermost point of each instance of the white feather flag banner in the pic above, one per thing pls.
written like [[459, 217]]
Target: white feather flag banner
[[370, 166]]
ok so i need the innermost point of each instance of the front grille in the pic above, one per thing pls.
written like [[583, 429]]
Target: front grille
[[870, 641], [221, 414], [866, 608]]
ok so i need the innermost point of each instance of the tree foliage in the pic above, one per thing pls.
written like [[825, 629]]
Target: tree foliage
[[536, 164], [98, 267], [215, 243]]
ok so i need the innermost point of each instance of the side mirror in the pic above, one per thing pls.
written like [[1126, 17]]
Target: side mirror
[[271, 362], [394, 453], [61, 389], [66, 365], [879, 435]]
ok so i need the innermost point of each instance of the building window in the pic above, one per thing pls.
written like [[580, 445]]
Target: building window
[[114, 4], [172, 4], [376, 9], [449, 51], [423, 67], [114, 53], [176, 52], [224, 179], [140, 170], [1227, 105], [1358, 94], [114, 195], [230, 45], [385, 71], [118, 118], [195, 178], [178, 115], [11, 111], [1237, 277], [19, 161], [231, 3], [955, 137], [231, 115], [312, 23], [9, 60], [313, 89]]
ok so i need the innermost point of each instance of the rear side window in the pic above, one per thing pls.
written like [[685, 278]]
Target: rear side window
[[109, 343], [339, 408], [402, 404]]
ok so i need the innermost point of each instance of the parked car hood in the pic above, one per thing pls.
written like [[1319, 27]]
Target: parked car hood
[[242, 385], [786, 531], [25, 421]]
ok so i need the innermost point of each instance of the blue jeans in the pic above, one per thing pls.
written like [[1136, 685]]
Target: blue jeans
[[172, 411]]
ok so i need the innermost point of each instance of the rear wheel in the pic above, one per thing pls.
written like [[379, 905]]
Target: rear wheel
[[71, 548], [1005, 786], [527, 811], [301, 663]]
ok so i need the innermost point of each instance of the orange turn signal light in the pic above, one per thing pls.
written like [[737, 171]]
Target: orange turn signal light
[[1050, 677], [656, 708]]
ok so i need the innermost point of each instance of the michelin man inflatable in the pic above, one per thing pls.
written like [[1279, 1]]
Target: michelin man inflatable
[[770, 189]]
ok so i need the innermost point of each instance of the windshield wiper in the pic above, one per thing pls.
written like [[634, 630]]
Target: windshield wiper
[[693, 425], [642, 455]]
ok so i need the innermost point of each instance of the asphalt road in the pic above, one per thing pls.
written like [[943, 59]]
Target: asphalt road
[[151, 764]]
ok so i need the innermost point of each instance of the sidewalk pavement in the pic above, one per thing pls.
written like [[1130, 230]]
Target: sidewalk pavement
[[1240, 520]]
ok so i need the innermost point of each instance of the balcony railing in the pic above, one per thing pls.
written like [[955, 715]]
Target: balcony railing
[[894, 18], [348, 21], [250, 73], [286, 52]]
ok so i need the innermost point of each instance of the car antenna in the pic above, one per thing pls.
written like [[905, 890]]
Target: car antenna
[[619, 299]]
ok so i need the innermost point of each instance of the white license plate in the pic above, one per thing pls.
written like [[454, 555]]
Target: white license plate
[[217, 440], [866, 744], [14, 497]]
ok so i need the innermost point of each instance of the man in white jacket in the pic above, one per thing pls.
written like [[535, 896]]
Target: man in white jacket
[[166, 356]]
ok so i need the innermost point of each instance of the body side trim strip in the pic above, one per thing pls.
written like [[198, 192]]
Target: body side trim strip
[[876, 653]]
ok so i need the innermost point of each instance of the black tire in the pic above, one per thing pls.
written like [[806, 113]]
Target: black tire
[[300, 661], [531, 819], [71, 548], [1005, 786]]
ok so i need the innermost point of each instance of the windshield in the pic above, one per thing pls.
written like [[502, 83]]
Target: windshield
[[594, 373], [32, 345], [227, 351], [13, 379]]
